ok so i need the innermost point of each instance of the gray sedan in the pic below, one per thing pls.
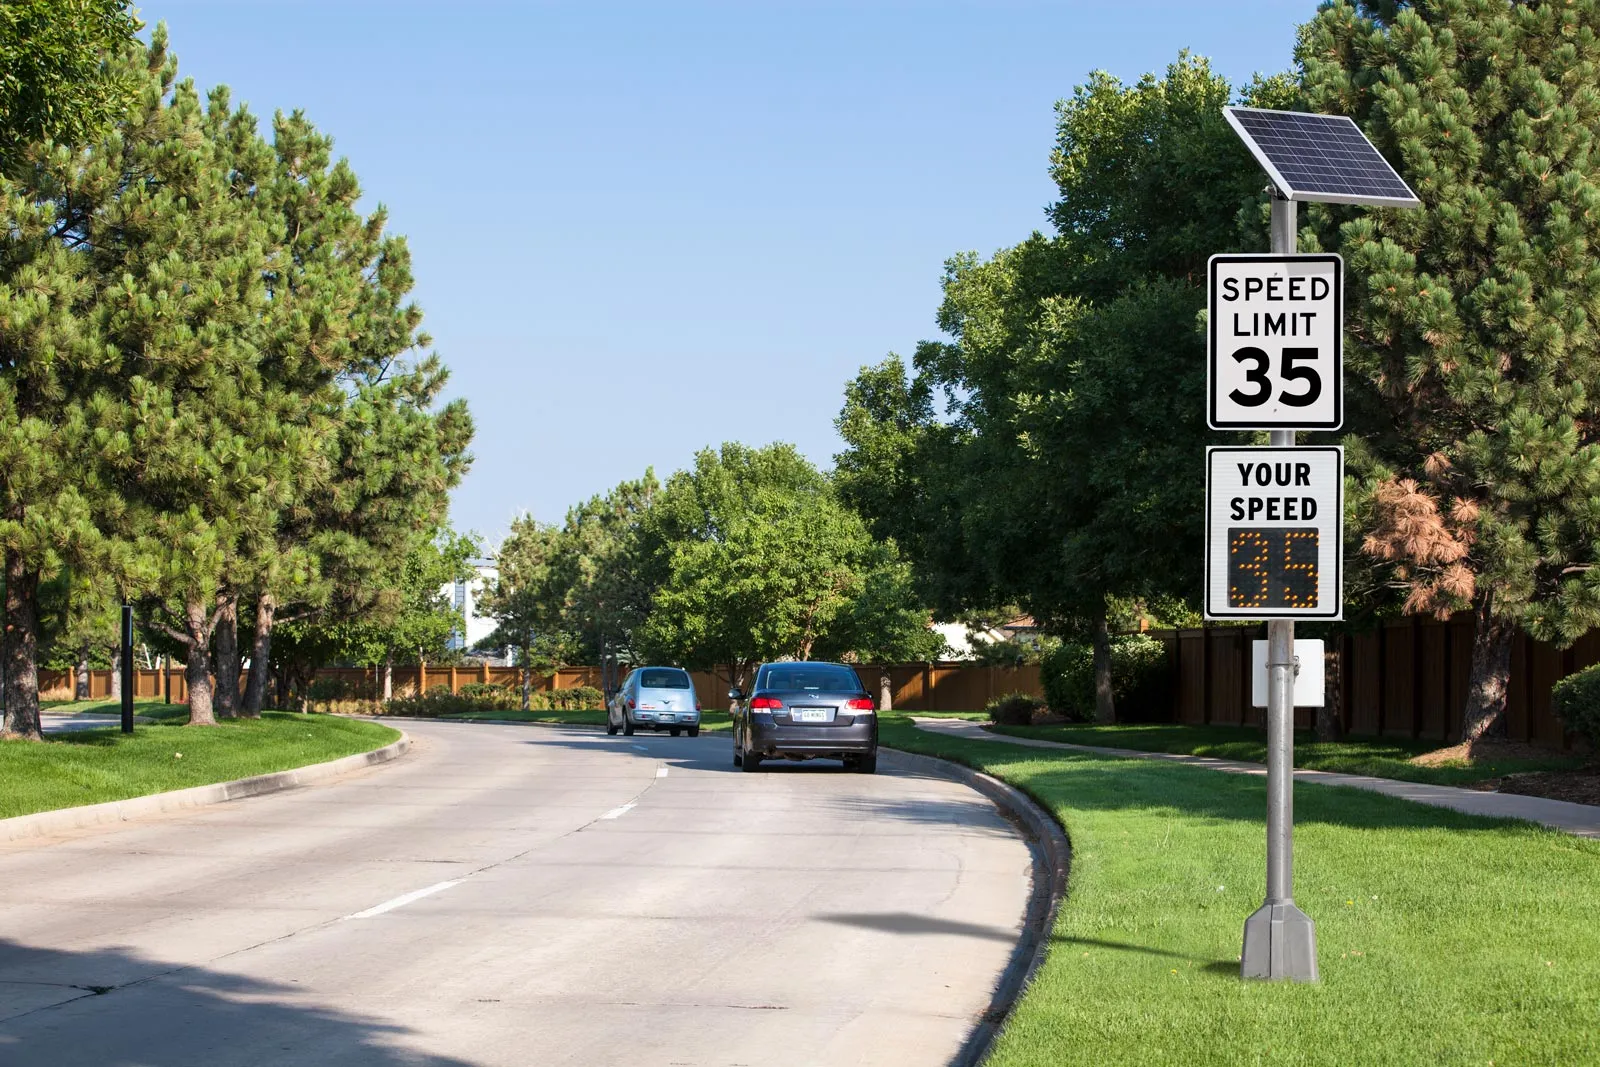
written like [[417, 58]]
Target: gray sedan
[[801, 711]]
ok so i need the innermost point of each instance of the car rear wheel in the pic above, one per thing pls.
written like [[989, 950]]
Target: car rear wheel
[[627, 725], [676, 731], [864, 764], [752, 762], [611, 727], [694, 731]]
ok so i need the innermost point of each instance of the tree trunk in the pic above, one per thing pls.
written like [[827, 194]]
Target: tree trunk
[[388, 679], [80, 680], [527, 681], [116, 670], [198, 668], [20, 650], [255, 693], [303, 675], [1330, 723], [227, 655], [885, 693], [1484, 716], [1105, 708]]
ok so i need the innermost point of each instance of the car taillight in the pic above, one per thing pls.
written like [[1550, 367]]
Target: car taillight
[[696, 705], [766, 704], [859, 703], [631, 703]]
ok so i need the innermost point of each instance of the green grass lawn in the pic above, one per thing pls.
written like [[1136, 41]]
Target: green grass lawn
[[1443, 938], [91, 766], [1381, 757]]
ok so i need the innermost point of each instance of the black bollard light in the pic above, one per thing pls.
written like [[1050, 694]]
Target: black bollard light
[[127, 668]]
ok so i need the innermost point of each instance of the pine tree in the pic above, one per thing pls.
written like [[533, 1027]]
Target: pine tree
[[1475, 322], [48, 354], [212, 451], [340, 317]]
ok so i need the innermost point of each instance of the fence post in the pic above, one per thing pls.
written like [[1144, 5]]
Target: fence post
[[422, 677], [483, 672], [1383, 677], [454, 688]]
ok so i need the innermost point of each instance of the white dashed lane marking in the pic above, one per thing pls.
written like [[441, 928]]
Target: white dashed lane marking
[[407, 898]]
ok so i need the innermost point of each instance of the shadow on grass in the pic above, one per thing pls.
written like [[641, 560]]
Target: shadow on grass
[[111, 1006]]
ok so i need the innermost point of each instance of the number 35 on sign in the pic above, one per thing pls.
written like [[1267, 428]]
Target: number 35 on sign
[[1275, 359], [1274, 532]]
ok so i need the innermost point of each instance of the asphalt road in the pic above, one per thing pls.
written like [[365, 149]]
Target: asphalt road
[[521, 896]]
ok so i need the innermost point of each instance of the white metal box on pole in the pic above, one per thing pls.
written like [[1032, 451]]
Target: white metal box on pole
[[1310, 674]]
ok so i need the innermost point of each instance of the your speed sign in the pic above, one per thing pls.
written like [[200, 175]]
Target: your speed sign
[[1276, 333]]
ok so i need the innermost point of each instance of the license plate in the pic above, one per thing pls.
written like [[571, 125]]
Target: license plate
[[811, 714]]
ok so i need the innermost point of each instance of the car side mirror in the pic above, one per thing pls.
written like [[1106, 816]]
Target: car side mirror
[[736, 694]]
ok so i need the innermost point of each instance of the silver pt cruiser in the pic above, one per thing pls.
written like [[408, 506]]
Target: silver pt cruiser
[[661, 698], [801, 711]]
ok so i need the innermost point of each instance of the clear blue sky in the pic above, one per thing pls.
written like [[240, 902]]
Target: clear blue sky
[[642, 229]]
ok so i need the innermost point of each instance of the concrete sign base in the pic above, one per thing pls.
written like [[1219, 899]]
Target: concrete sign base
[[1280, 941]]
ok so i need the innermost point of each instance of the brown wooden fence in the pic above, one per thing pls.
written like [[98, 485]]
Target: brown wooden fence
[[1405, 678], [915, 686]]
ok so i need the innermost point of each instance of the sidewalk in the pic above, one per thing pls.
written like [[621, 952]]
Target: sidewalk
[[1580, 819], [54, 723]]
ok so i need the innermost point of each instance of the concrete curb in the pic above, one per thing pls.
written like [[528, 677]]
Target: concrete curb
[[1052, 861], [44, 823]]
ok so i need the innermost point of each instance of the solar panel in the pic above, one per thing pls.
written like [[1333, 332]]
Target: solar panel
[[1319, 157]]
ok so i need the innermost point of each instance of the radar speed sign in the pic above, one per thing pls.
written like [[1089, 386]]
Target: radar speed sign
[[1275, 358], [1274, 533]]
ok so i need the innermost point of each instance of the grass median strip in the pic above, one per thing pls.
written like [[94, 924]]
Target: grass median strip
[[94, 766], [1444, 938], [1379, 757]]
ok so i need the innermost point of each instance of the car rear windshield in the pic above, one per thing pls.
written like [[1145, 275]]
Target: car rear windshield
[[813, 677], [664, 679]]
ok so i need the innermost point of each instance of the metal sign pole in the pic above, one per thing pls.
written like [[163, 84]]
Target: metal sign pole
[[1280, 940]]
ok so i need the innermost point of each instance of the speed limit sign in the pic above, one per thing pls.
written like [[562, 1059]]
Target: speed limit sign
[[1276, 356]]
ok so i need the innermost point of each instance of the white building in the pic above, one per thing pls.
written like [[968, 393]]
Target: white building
[[465, 596]]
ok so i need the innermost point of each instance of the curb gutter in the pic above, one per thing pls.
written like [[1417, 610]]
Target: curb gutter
[[44, 823], [1052, 859]]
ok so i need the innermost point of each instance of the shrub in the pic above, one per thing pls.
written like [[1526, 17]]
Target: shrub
[[1014, 709], [491, 697], [440, 701], [483, 696], [323, 690], [1576, 702], [1138, 677], [578, 698]]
